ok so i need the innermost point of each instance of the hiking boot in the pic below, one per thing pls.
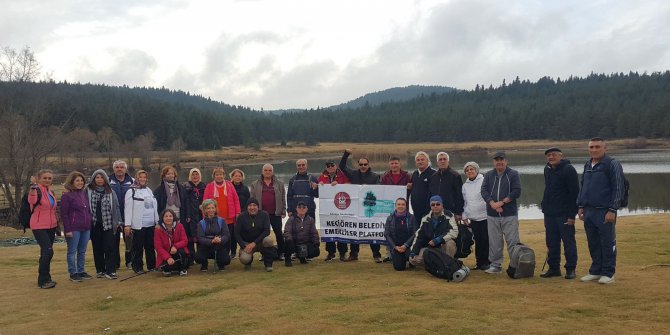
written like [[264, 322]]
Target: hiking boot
[[101, 275], [606, 280], [551, 273], [352, 258], [167, 273], [342, 258], [75, 278], [570, 274], [48, 284], [589, 277], [493, 270], [183, 272], [377, 259], [111, 276], [330, 257], [303, 260], [203, 269], [84, 276], [386, 259], [288, 262], [294, 257], [281, 257]]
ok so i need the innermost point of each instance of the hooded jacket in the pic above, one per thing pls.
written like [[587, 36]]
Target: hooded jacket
[[474, 207], [497, 188], [393, 226], [137, 201], [339, 177], [194, 197], [561, 188], [117, 219]]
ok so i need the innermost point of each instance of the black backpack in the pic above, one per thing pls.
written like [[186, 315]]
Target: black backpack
[[25, 212], [626, 186], [439, 264], [464, 242]]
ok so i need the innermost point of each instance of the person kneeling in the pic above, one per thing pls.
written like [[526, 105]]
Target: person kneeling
[[252, 231], [399, 230], [437, 230], [171, 244], [300, 236], [213, 238]]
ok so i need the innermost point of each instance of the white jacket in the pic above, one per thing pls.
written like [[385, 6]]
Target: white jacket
[[475, 206], [135, 208]]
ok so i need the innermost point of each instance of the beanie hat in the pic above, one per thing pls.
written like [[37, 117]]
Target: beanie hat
[[473, 164], [252, 201], [436, 198]]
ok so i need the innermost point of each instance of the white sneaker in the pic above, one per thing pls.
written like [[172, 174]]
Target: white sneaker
[[606, 280], [590, 277], [493, 270]]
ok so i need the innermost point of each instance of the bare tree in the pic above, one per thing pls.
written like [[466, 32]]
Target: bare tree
[[80, 141], [143, 146], [176, 149], [18, 65], [106, 140]]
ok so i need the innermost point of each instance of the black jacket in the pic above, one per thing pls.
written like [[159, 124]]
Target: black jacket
[[445, 229], [194, 194], [242, 193], [393, 229], [161, 200], [561, 188], [252, 229], [355, 176], [419, 196], [448, 185]]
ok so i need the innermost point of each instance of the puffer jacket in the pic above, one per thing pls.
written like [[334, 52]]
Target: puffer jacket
[[445, 229], [44, 214], [301, 231]]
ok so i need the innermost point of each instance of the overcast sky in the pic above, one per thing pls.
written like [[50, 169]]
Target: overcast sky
[[275, 54]]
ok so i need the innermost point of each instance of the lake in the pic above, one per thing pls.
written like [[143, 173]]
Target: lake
[[647, 171]]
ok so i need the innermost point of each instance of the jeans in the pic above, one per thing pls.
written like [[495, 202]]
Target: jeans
[[45, 238], [76, 251]]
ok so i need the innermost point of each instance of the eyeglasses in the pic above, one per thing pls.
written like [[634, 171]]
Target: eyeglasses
[[330, 165], [435, 204], [362, 164]]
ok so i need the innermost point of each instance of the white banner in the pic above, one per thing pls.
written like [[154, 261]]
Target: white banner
[[356, 213]]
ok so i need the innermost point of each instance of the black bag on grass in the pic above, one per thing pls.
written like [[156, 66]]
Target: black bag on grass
[[464, 241], [439, 264]]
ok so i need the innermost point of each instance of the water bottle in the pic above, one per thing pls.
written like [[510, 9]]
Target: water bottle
[[461, 274]]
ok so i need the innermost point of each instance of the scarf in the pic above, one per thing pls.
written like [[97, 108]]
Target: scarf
[[172, 192], [101, 198], [217, 187]]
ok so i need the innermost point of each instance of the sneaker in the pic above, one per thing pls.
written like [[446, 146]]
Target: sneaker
[[139, 271], [183, 272], [129, 266], [309, 259], [260, 259], [75, 278], [330, 257], [377, 259], [203, 269], [84, 275], [48, 284], [167, 273], [111, 275], [342, 258], [606, 280], [268, 269], [233, 256], [352, 258], [590, 277], [100, 275], [303, 261], [386, 259], [281, 257], [493, 270], [295, 257], [288, 263]]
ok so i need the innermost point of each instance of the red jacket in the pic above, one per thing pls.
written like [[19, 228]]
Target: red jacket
[[340, 177], [44, 215], [162, 241], [231, 195]]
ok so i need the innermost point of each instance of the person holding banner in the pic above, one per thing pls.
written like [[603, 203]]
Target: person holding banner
[[301, 236], [362, 176], [394, 176], [270, 195], [437, 230], [399, 231], [333, 176], [419, 193], [252, 231]]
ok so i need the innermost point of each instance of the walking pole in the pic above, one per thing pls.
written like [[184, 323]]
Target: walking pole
[[216, 260], [145, 272]]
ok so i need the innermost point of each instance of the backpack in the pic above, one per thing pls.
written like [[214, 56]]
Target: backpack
[[25, 212], [626, 185], [439, 264], [203, 224], [522, 261], [464, 242]]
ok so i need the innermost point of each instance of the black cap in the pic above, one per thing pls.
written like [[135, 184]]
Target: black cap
[[301, 203], [552, 149], [499, 154], [330, 162]]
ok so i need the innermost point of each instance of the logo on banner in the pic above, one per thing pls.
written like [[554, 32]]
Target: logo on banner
[[342, 200]]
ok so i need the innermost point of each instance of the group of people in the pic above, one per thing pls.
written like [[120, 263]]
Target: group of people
[[179, 224]]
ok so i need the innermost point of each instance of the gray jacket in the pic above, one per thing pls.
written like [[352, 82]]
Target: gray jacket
[[256, 190]]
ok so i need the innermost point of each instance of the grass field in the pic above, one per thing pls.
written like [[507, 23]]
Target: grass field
[[348, 298]]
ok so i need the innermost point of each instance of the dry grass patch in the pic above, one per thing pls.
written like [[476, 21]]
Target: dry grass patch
[[349, 298]]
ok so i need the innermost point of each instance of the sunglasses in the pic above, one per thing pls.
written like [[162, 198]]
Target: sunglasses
[[362, 164], [330, 165], [435, 204]]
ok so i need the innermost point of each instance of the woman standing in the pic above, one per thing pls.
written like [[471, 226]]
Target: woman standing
[[43, 223], [76, 214], [237, 177], [171, 245], [106, 217], [194, 190], [271, 195], [170, 194], [474, 213], [227, 202], [140, 219]]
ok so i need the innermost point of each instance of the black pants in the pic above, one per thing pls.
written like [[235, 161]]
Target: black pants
[[556, 231], [143, 241], [233, 240], [341, 248], [275, 222], [220, 253], [481, 235], [103, 249], [45, 238], [290, 247], [177, 266], [374, 247], [399, 259], [117, 249]]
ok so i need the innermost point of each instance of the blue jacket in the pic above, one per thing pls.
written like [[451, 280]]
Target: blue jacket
[[497, 188], [120, 187], [299, 189], [561, 188], [602, 186]]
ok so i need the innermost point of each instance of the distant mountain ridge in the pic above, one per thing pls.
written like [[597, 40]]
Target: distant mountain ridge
[[395, 94]]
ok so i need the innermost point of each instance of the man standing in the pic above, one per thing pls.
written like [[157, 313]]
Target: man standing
[[333, 176], [447, 183], [394, 176], [559, 205], [302, 187], [500, 189], [120, 181], [437, 230], [418, 187], [362, 176], [601, 194]]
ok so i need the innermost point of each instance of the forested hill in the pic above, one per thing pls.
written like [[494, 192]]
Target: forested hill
[[392, 95], [612, 106]]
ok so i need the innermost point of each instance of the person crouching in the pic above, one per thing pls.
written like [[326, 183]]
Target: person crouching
[[252, 231], [301, 236], [171, 244], [437, 230], [213, 238]]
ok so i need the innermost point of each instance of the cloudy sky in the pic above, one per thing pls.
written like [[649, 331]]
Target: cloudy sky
[[276, 54]]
